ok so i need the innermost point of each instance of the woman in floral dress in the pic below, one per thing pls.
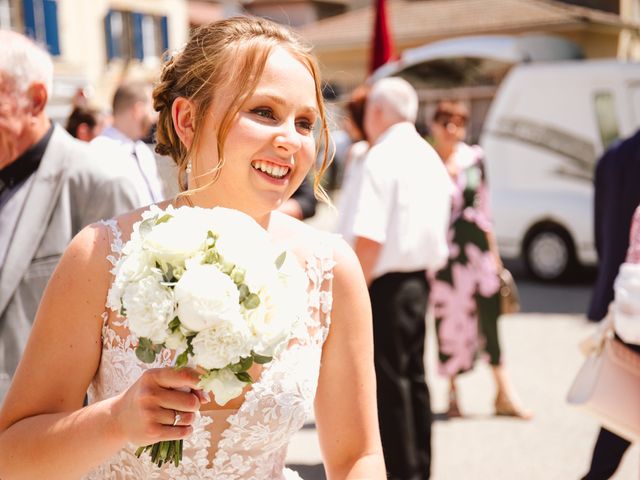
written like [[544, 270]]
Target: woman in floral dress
[[465, 293]]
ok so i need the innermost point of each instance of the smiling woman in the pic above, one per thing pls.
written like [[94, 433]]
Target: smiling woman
[[237, 111]]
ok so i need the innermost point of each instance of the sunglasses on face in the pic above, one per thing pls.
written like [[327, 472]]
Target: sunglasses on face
[[445, 118]]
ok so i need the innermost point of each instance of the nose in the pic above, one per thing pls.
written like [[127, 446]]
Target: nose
[[287, 139]]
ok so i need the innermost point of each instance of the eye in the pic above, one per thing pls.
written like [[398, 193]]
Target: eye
[[263, 112], [305, 125]]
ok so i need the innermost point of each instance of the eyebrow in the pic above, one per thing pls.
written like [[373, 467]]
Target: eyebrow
[[283, 102]]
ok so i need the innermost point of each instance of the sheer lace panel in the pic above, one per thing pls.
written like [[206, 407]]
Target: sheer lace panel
[[254, 443]]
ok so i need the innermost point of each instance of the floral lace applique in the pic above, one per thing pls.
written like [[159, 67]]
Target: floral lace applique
[[254, 444]]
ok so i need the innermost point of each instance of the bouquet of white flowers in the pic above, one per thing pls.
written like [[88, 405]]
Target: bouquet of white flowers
[[210, 285]]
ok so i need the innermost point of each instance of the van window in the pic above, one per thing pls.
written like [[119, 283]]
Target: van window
[[606, 117]]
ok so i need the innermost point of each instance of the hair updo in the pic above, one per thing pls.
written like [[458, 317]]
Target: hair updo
[[230, 52]]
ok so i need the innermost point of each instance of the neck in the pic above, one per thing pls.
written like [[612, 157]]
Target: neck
[[125, 125], [445, 150]]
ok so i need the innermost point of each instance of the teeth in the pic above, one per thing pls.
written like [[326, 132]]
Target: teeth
[[271, 169]]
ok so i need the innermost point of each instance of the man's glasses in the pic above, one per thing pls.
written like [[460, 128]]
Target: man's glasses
[[445, 118]]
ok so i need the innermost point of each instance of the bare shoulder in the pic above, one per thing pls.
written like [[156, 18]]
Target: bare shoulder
[[308, 241]]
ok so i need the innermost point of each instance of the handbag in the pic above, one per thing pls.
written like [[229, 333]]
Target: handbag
[[509, 297], [608, 386]]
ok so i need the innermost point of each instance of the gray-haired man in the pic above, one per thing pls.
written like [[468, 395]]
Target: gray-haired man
[[50, 188]]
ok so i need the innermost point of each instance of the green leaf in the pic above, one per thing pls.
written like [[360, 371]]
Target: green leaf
[[145, 354], [251, 302], [211, 257], [243, 290], [280, 259], [261, 359], [242, 366], [211, 239], [146, 226], [123, 311], [165, 218], [244, 377], [182, 359], [237, 276], [227, 267], [174, 324]]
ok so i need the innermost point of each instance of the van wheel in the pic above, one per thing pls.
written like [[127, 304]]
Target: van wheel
[[549, 253]]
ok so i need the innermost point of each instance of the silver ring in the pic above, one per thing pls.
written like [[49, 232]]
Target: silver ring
[[176, 418]]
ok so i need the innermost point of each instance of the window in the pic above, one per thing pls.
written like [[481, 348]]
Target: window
[[6, 20], [605, 111], [41, 22], [132, 35]]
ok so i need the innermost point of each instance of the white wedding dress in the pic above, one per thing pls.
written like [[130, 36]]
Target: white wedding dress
[[249, 443]]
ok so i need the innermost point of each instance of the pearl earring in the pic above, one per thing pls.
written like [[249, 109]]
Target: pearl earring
[[188, 169]]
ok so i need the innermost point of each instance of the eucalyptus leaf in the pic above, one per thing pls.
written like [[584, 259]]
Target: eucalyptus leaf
[[280, 260], [251, 302]]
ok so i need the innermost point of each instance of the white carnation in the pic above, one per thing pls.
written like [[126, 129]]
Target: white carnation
[[221, 346], [224, 385], [149, 307], [206, 297]]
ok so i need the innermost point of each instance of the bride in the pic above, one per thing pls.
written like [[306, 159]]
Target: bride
[[237, 112]]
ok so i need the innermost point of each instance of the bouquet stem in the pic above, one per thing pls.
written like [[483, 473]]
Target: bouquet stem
[[163, 452]]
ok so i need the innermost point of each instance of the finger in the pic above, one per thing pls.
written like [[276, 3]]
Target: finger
[[176, 378], [175, 418], [167, 432], [178, 400], [203, 396]]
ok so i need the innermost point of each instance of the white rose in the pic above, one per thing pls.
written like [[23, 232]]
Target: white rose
[[206, 297], [149, 308], [129, 268], [178, 238], [224, 385], [222, 345], [272, 321]]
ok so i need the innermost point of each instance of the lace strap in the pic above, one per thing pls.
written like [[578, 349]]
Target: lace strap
[[115, 239], [321, 265]]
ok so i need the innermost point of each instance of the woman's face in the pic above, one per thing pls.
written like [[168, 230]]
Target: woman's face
[[270, 145], [449, 125]]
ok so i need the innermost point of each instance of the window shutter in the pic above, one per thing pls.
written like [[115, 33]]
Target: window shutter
[[138, 49], [164, 28], [50, 8], [108, 36], [29, 17]]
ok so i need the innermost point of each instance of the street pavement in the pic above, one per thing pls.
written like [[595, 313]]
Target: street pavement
[[542, 357]]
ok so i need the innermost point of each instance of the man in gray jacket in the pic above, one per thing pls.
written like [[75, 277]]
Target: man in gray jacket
[[51, 186]]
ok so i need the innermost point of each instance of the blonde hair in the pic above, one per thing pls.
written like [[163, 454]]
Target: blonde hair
[[230, 52]]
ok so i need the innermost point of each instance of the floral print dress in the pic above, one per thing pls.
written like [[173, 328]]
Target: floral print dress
[[465, 293]]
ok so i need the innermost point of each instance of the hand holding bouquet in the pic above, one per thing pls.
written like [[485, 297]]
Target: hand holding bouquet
[[210, 285]]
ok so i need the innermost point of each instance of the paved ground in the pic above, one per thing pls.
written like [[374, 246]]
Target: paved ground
[[540, 346]]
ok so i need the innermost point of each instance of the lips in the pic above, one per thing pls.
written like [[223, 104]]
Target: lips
[[271, 169]]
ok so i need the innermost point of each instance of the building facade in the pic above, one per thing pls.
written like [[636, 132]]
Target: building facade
[[98, 44]]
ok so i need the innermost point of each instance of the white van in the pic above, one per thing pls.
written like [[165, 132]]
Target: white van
[[546, 128], [547, 124]]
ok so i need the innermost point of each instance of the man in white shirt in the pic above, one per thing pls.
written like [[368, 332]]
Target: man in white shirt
[[133, 117], [400, 230]]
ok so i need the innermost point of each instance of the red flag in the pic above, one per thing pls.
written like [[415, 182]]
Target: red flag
[[382, 44]]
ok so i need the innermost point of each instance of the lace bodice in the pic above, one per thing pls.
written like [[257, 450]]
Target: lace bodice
[[253, 442]]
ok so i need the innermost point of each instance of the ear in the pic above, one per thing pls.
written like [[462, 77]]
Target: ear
[[183, 114], [38, 97]]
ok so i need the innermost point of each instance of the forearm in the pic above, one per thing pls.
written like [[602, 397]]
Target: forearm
[[369, 466], [60, 445]]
